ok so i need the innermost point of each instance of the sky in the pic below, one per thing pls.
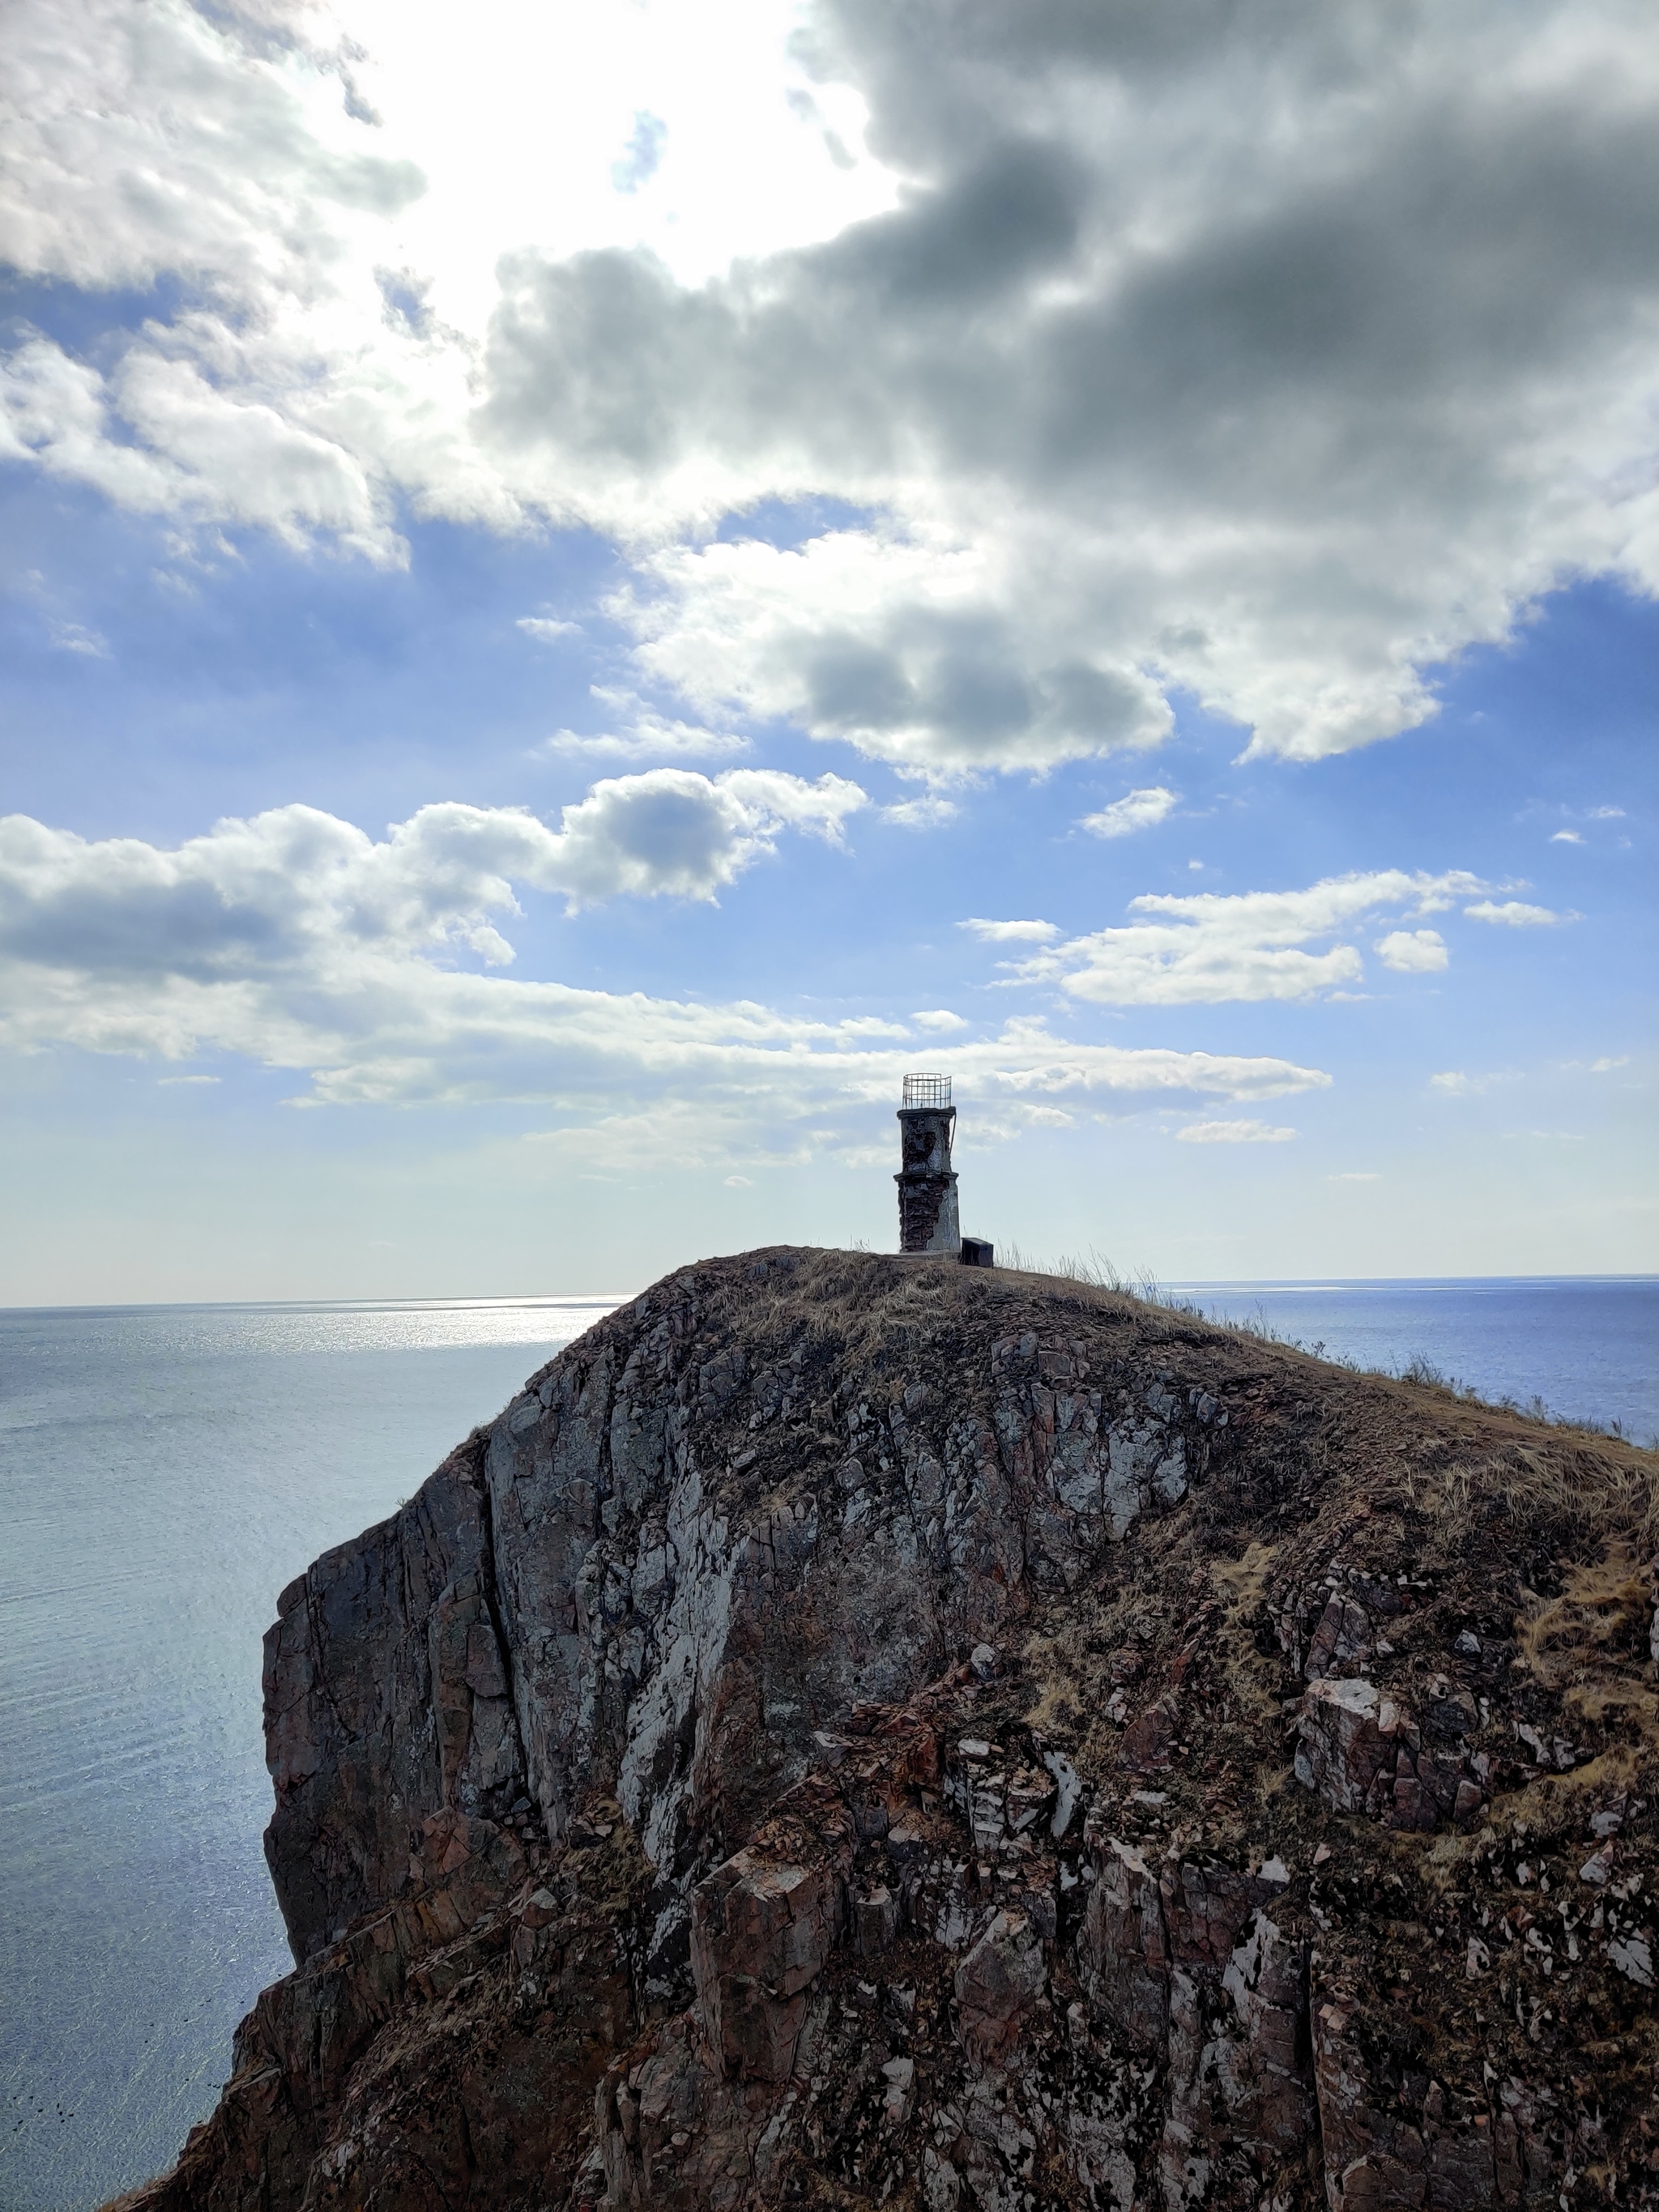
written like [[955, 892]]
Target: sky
[[584, 587]]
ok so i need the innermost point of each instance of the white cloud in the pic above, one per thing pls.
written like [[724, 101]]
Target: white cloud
[[1454, 1082], [1132, 390], [271, 892], [915, 648], [196, 450], [869, 1026], [1413, 951], [1138, 809], [930, 811], [671, 831], [294, 940], [547, 629], [1209, 947], [1514, 913], [1019, 366], [1605, 1067], [643, 734], [939, 1020], [739, 1183], [1010, 933], [1566, 837], [1027, 1059], [1357, 1175], [74, 637], [1232, 1132], [1607, 814]]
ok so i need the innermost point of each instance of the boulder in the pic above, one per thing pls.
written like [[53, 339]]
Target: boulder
[[760, 1934], [996, 1985]]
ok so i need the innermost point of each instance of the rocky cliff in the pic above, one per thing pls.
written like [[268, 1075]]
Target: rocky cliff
[[856, 1730]]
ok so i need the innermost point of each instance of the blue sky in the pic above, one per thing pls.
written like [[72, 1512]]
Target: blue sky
[[544, 666]]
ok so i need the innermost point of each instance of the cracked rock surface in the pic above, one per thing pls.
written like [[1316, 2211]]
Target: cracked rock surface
[[857, 1731]]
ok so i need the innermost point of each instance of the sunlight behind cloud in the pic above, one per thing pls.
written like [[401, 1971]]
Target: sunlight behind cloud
[[525, 133], [632, 266]]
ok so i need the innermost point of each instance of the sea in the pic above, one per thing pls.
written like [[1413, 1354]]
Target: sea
[[164, 1471]]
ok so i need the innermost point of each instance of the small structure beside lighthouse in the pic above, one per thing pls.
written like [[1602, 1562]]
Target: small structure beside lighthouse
[[928, 1219]]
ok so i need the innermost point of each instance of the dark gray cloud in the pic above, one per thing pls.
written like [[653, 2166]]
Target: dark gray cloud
[[1276, 350], [843, 351]]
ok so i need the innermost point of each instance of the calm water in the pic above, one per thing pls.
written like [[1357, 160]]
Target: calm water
[[163, 1472], [1586, 1345]]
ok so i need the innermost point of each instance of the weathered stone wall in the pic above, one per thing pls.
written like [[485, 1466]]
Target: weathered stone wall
[[928, 1217]]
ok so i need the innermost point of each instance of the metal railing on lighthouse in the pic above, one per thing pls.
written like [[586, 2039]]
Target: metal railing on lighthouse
[[933, 1090]]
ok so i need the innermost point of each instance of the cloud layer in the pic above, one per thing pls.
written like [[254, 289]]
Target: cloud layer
[[1513, 914], [1208, 947], [295, 941], [1272, 354], [1233, 1133], [284, 887]]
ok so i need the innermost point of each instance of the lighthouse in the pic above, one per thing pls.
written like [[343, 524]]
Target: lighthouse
[[927, 1182], [928, 1220]]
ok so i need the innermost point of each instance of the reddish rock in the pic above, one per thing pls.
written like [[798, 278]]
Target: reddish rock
[[1123, 1950], [1350, 1738], [708, 1791], [997, 1984], [1341, 1641], [1147, 1744], [760, 1934]]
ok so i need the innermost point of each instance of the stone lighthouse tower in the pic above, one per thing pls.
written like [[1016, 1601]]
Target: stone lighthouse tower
[[926, 1184]]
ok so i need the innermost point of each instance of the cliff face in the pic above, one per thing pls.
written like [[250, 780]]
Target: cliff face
[[856, 1730]]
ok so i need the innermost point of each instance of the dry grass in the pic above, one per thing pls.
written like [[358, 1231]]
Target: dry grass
[[1256, 1682], [1097, 1272], [863, 1304], [1599, 1620], [1567, 1488], [1553, 1474]]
